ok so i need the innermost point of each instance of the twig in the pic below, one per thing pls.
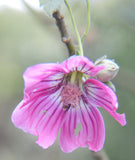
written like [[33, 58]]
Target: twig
[[64, 34], [101, 155]]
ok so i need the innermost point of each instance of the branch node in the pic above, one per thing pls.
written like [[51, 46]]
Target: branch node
[[65, 39], [63, 30]]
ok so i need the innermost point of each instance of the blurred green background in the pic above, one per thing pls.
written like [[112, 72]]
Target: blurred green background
[[26, 39]]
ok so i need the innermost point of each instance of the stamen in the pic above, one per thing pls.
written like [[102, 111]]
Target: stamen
[[70, 96]]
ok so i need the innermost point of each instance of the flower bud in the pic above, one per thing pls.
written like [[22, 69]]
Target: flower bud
[[109, 72]]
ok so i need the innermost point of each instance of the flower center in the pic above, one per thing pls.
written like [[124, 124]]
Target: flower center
[[70, 96]]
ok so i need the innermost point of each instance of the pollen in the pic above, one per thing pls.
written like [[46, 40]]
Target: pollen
[[70, 96]]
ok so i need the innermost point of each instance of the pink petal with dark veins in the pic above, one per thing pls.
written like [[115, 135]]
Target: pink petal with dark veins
[[43, 116], [102, 96], [81, 64]]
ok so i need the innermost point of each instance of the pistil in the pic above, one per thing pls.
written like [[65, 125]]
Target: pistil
[[70, 96]]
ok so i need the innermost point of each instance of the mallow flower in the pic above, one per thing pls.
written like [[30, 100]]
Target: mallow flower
[[61, 97]]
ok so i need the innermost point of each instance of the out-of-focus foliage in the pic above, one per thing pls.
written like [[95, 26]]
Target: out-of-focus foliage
[[49, 6], [25, 41]]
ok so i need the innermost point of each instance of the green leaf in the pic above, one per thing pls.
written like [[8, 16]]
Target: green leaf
[[49, 6]]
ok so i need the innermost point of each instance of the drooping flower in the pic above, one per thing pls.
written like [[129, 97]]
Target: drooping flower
[[62, 97]]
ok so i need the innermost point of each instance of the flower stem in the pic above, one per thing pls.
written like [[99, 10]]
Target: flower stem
[[100, 155], [88, 23], [64, 33], [80, 50]]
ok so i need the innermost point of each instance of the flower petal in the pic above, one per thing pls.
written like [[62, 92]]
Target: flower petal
[[40, 71], [42, 116], [93, 130], [81, 64], [68, 139], [101, 95], [42, 78], [92, 133]]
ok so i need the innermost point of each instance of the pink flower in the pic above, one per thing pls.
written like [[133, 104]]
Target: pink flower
[[61, 97]]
